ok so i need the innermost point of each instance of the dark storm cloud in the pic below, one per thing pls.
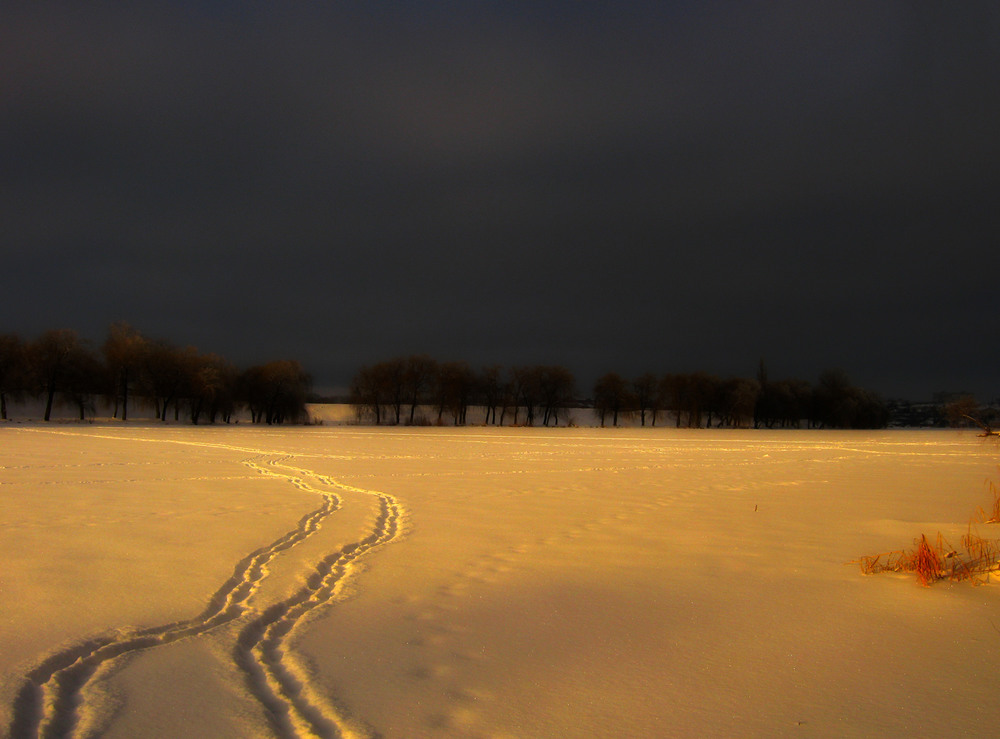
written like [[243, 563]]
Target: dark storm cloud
[[631, 186]]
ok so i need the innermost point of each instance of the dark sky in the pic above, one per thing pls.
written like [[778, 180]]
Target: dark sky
[[659, 186]]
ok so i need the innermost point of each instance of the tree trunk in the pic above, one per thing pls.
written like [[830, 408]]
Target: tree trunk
[[48, 402], [124, 394]]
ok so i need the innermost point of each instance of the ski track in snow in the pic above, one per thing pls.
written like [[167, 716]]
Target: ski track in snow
[[50, 700], [282, 685]]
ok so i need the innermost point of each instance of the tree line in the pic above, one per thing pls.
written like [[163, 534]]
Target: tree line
[[401, 390], [702, 399], [130, 368], [392, 391]]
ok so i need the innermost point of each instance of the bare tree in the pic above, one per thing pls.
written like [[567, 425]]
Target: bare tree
[[739, 401], [124, 353], [50, 357], [692, 397], [645, 390], [276, 392], [509, 395], [164, 374], [789, 402], [418, 380], [763, 412], [705, 398], [84, 378], [962, 412], [556, 386], [211, 383], [454, 388], [491, 392], [527, 392], [393, 374], [838, 404], [382, 389], [13, 370], [611, 395], [674, 391], [368, 393]]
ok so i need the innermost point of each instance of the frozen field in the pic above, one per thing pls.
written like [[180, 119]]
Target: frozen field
[[241, 582]]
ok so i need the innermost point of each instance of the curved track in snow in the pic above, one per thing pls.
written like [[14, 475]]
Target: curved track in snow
[[50, 701]]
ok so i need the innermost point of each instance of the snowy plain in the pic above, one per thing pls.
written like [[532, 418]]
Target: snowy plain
[[483, 582]]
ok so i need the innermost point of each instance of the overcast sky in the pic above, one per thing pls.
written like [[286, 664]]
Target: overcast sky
[[662, 186]]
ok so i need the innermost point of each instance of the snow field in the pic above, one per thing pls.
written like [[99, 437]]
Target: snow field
[[486, 583]]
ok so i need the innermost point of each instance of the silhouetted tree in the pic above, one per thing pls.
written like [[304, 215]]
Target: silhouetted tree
[[962, 412], [393, 376], [527, 390], [704, 398], [674, 389], [165, 374], [124, 352], [763, 410], [366, 393], [419, 374], [49, 358], [536, 386], [646, 392], [381, 390], [838, 404], [833, 400], [739, 401], [508, 397], [790, 401], [276, 392], [453, 390], [556, 386], [611, 395], [211, 383], [13, 370], [84, 378], [491, 392]]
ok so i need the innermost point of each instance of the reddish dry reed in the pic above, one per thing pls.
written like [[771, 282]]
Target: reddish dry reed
[[994, 515], [926, 563]]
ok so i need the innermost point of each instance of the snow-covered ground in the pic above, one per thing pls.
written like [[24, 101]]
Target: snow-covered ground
[[480, 582]]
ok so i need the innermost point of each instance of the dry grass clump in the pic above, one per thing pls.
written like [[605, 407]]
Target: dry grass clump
[[938, 560], [994, 515]]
